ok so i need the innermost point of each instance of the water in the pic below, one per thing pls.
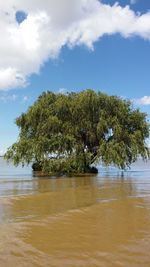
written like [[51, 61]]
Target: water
[[101, 220]]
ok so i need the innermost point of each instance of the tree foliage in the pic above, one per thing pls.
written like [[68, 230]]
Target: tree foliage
[[68, 133]]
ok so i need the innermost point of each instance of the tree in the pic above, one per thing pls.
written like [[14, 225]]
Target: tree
[[68, 133]]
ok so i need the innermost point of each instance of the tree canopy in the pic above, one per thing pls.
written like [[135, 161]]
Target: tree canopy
[[67, 133]]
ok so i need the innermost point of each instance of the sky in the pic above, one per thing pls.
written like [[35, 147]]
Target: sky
[[69, 45]]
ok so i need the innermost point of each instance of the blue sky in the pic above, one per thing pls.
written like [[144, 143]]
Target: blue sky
[[71, 51]]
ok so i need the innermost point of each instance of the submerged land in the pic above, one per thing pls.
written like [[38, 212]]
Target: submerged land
[[98, 220]]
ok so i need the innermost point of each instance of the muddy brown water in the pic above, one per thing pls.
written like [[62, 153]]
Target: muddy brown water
[[101, 220]]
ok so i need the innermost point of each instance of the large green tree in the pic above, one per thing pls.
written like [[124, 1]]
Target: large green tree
[[68, 133]]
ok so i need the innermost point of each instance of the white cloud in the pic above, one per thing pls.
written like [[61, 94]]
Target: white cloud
[[145, 100], [8, 98], [50, 25], [25, 99], [62, 91], [132, 2], [10, 77], [2, 152]]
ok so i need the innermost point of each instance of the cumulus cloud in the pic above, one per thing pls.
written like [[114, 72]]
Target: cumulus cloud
[[145, 100], [10, 77], [50, 25]]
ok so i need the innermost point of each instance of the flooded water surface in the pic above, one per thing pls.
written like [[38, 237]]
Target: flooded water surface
[[101, 220]]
